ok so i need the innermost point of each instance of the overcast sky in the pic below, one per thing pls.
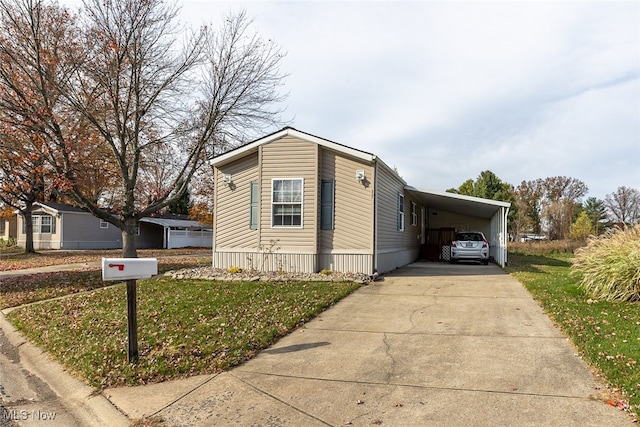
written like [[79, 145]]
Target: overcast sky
[[445, 90]]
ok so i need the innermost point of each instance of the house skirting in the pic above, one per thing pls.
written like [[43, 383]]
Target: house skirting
[[388, 260], [294, 262]]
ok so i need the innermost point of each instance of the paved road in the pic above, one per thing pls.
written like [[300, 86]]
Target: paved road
[[27, 399]]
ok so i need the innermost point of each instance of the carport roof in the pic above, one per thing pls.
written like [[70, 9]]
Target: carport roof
[[167, 222], [458, 203]]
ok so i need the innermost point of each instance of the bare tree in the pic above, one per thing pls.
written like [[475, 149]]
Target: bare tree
[[624, 205], [143, 86]]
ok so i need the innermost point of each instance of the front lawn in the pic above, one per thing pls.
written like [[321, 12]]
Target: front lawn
[[606, 333], [185, 327]]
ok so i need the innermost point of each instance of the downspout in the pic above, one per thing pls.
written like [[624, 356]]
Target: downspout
[[61, 217], [375, 217], [505, 237]]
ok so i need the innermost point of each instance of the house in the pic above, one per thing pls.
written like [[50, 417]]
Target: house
[[298, 202], [61, 226], [8, 227]]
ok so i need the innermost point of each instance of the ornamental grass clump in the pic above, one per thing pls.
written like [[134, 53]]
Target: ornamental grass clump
[[609, 265]]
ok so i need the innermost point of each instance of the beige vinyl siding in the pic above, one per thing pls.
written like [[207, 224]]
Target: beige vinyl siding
[[388, 186], [290, 158], [395, 248], [233, 204], [412, 232], [353, 205]]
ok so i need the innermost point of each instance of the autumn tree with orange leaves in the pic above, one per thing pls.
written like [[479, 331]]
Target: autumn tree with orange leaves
[[122, 83]]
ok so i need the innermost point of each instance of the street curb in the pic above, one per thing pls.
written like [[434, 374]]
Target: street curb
[[83, 402]]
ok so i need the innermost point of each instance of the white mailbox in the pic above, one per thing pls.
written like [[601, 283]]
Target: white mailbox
[[128, 268]]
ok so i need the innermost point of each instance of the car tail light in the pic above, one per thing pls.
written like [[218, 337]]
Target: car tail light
[[484, 243], [453, 243]]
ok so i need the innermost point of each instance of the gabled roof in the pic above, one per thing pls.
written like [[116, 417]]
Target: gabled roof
[[289, 131], [449, 202], [59, 207]]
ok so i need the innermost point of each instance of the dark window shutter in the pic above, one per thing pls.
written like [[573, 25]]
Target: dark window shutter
[[254, 212], [327, 195]]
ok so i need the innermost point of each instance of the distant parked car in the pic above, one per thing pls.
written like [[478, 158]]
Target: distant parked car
[[470, 246]]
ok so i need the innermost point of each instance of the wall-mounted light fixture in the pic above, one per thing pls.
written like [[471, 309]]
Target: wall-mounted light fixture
[[227, 178], [360, 176]]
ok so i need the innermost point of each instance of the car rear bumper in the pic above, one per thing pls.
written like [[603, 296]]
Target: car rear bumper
[[461, 254]]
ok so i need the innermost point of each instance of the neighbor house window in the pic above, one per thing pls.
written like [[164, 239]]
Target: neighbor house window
[[43, 224], [327, 195], [104, 224], [2, 225], [254, 211], [286, 202], [414, 214], [400, 212]]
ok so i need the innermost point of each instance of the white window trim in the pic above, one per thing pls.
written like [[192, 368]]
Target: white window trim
[[401, 212], [35, 223], [301, 203], [42, 224], [414, 214]]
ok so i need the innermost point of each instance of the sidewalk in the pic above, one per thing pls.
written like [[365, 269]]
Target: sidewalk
[[49, 269], [432, 344]]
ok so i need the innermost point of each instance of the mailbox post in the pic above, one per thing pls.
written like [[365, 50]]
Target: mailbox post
[[130, 269]]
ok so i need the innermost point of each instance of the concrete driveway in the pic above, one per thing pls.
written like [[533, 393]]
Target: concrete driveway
[[430, 345]]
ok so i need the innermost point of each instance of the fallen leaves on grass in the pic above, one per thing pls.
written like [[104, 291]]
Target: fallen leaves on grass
[[23, 261], [185, 327]]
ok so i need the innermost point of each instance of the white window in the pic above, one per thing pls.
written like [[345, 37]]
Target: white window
[[45, 224], [414, 214], [400, 212], [42, 224], [286, 202], [104, 224]]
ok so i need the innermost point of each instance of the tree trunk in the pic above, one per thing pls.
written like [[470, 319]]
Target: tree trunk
[[129, 248], [28, 228]]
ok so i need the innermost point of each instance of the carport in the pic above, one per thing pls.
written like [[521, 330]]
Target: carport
[[182, 233], [449, 211]]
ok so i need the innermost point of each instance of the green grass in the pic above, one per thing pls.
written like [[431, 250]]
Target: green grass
[[185, 327], [606, 333]]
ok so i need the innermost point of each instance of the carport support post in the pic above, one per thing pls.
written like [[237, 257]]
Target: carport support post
[[132, 321]]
